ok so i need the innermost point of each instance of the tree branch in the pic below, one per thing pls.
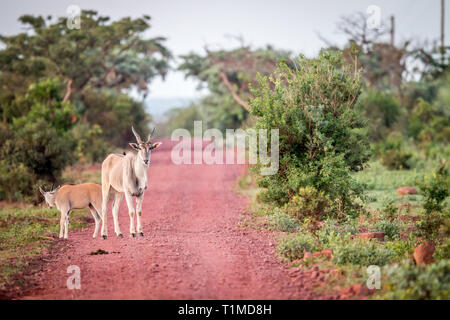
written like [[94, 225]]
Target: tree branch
[[68, 90], [230, 88]]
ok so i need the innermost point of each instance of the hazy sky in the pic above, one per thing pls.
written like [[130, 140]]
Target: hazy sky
[[287, 24]]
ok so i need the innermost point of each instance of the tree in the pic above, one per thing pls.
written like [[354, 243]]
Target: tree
[[321, 132], [98, 55], [228, 74]]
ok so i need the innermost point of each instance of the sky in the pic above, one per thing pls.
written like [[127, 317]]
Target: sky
[[285, 24]]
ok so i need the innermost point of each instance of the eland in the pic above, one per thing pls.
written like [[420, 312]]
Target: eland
[[126, 174], [78, 196]]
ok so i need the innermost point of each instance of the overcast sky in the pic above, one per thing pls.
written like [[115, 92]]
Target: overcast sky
[[288, 24]]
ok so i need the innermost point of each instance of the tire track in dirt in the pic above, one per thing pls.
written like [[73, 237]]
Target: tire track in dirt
[[194, 247]]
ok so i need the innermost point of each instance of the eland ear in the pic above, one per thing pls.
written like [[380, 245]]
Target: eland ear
[[41, 190], [156, 145], [135, 146]]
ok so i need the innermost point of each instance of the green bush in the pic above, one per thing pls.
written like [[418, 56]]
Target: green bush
[[362, 252], [16, 181], [396, 159], [406, 281], [389, 228], [435, 191], [381, 110], [322, 138], [293, 248], [309, 203], [443, 250], [392, 153], [332, 234], [283, 221], [90, 146]]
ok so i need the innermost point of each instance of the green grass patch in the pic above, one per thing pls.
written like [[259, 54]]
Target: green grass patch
[[25, 231]]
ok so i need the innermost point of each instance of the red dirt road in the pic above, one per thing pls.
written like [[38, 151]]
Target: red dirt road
[[194, 246]]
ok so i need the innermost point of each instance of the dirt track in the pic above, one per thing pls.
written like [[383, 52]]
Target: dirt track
[[194, 246]]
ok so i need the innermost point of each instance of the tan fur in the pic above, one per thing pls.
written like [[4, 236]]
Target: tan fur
[[126, 175], [80, 196]]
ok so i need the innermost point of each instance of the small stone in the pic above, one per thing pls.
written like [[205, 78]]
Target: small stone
[[406, 190], [372, 235], [307, 255], [423, 254]]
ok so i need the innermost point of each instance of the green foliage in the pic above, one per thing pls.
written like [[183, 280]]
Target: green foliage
[[181, 118], [362, 252], [322, 137], [393, 155], [18, 176], [435, 191], [283, 221], [428, 122], [443, 250], [396, 159], [228, 72], [294, 247], [309, 203], [390, 229], [90, 146], [24, 233], [410, 282], [101, 54], [114, 113], [381, 111]]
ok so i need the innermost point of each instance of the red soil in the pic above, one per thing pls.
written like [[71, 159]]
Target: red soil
[[194, 246]]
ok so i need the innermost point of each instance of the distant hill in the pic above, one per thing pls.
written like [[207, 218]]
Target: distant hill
[[157, 107]]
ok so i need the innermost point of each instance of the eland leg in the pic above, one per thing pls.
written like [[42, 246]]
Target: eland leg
[[139, 201], [129, 199]]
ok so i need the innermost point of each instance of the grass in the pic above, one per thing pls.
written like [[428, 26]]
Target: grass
[[386, 211], [26, 231], [382, 184]]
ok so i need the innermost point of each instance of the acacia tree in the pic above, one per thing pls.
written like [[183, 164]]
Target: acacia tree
[[101, 54], [228, 75]]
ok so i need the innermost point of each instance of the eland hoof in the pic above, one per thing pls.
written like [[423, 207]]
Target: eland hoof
[[141, 234], [133, 235], [120, 236], [105, 237]]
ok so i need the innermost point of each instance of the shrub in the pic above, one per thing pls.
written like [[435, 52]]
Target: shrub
[[396, 159], [16, 181], [390, 228], [332, 234], [392, 153], [407, 281], [309, 203], [382, 111], [283, 221], [443, 250], [321, 134], [435, 191], [362, 252], [90, 146], [293, 248], [400, 248]]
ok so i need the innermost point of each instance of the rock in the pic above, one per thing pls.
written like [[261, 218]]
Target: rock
[[292, 264], [354, 290], [406, 190], [371, 235], [423, 254], [307, 255], [324, 253], [327, 253]]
